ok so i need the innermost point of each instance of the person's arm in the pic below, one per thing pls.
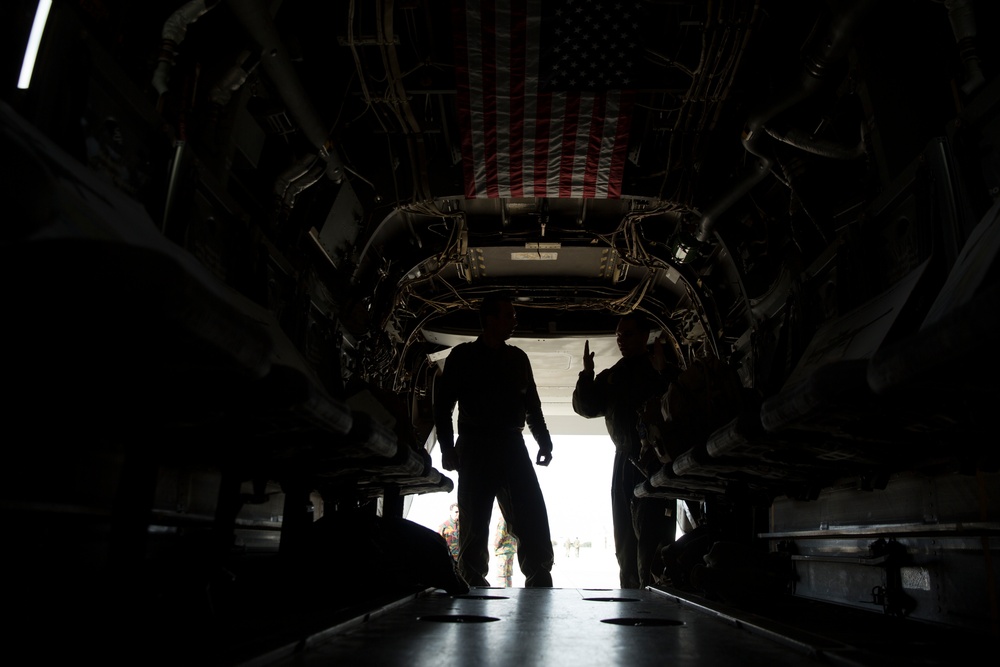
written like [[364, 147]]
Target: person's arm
[[589, 397], [445, 397], [667, 370], [535, 419]]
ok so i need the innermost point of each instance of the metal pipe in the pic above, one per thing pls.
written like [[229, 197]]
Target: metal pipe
[[822, 53], [232, 80], [298, 169], [757, 172], [304, 182], [173, 33], [411, 128], [175, 170], [278, 65], [963, 26], [856, 560], [824, 148]]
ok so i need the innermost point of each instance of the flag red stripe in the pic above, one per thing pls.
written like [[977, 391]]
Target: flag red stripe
[[462, 101], [489, 92], [571, 119], [594, 147], [542, 122], [518, 72], [621, 147]]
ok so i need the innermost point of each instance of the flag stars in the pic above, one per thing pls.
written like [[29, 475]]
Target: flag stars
[[591, 41]]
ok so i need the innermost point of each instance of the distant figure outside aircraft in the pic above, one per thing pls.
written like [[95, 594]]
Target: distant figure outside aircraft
[[449, 530], [504, 548]]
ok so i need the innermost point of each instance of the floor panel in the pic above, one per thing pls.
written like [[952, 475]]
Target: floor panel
[[561, 626]]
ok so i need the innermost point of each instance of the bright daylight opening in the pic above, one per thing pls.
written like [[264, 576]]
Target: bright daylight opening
[[577, 483], [577, 490]]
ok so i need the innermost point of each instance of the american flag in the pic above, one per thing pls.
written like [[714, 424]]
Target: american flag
[[543, 95]]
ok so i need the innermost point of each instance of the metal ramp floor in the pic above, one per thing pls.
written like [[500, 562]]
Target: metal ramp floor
[[561, 626]]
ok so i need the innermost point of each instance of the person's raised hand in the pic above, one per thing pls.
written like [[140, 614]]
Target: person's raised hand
[[588, 357]]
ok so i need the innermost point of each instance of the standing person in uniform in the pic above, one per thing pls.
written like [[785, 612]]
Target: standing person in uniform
[[618, 394], [504, 548], [449, 530], [495, 390]]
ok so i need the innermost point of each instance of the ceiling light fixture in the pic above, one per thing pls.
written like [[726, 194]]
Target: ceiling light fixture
[[34, 40]]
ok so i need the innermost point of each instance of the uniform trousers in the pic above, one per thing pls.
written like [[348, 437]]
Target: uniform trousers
[[640, 524], [497, 466]]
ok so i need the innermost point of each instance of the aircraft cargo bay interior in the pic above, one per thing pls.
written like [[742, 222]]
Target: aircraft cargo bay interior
[[468, 332]]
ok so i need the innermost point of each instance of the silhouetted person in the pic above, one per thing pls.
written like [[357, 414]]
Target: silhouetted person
[[449, 530], [617, 394], [495, 390]]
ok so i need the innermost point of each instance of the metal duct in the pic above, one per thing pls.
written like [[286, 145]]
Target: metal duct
[[299, 168], [278, 65], [963, 26], [233, 79], [304, 182], [173, 33], [804, 141], [757, 172], [821, 54]]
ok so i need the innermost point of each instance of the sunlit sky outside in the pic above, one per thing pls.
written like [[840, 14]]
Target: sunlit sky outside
[[577, 490]]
